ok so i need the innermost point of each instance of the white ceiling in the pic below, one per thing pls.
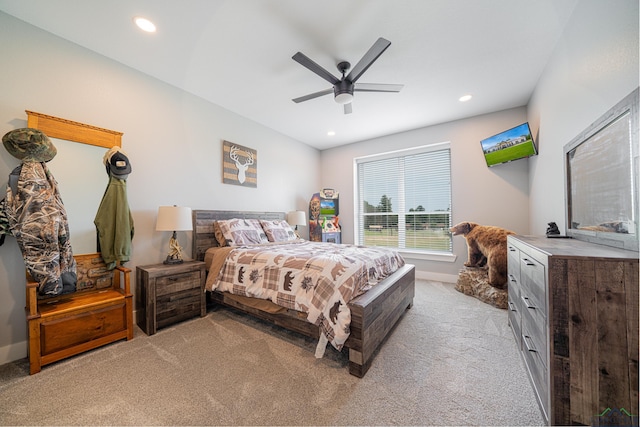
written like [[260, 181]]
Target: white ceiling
[[237, 54]]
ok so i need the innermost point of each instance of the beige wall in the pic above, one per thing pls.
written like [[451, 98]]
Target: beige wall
[[173, 139]]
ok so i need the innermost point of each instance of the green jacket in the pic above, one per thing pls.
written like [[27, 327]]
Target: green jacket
[[114, 223]]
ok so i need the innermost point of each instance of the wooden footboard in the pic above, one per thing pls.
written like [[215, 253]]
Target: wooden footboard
[[375, 313], [373, 316]]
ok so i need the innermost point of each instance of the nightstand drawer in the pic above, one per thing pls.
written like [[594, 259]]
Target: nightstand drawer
[[178, 306], [177, 283]]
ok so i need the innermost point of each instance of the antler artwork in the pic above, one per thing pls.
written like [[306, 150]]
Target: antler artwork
[[242, 168]]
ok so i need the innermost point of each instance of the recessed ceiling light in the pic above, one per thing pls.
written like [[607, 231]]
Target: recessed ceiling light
[[144, 24], [331, 133], [464, 98]]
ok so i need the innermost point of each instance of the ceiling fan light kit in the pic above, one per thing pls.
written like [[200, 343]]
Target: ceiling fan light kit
[[343, 88]]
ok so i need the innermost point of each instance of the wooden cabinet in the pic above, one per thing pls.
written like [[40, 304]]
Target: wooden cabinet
[[98, 313], [573, 308], [169, 293]]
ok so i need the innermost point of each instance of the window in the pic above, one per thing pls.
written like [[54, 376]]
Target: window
[[404, 199]]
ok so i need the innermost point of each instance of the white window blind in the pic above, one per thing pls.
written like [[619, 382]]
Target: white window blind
[[404, 199]]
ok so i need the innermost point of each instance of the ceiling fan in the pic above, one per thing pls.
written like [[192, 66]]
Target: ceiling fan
[[343, 88]]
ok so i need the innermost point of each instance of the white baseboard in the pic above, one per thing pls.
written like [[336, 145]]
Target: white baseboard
[[12, 352], [440, 277]]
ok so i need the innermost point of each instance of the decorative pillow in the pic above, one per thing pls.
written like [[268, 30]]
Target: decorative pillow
[[218, 234], [238, 232], [278, 231]]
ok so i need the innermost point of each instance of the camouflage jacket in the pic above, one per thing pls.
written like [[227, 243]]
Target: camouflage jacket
[[38, 221]]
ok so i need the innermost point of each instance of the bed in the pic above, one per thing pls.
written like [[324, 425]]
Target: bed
[[373, 314]]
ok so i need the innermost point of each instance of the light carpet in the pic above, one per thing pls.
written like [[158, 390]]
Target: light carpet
[[451, 360]]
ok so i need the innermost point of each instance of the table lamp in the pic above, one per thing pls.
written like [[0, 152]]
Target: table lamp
[[174, 218], [296, 218]]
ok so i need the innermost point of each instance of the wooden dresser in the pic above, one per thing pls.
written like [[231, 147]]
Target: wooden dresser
[[573, 308]]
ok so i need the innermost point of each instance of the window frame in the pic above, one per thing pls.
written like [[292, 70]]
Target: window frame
[[429, 254]]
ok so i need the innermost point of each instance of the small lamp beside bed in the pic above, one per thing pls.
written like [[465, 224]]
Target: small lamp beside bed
[[174, 218], [296, 218]]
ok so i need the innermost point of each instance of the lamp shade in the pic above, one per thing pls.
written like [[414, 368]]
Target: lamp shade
[[174, 218], [296, 218]]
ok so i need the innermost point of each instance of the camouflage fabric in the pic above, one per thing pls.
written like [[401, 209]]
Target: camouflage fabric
[[5, 228], [38, 221], [29, 145]]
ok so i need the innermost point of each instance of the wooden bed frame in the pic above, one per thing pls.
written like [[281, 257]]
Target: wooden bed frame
[[373, 314]]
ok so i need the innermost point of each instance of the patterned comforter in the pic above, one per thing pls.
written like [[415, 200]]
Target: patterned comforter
[[315, 278]]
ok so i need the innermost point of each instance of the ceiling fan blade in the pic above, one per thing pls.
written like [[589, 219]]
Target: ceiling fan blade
[[305, 61], [347, 108], [377, 87], [372, 54], [312, 95]]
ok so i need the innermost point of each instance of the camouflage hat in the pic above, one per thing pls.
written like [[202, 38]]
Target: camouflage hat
[[29, 145]]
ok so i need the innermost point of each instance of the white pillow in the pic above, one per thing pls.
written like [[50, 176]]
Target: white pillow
[[238, 232], [278, 230]]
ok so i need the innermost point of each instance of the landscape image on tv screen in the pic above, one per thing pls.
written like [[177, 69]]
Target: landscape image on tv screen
[[513, 144]]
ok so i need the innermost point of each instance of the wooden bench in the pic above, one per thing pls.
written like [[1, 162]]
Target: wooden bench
[[98, 313]]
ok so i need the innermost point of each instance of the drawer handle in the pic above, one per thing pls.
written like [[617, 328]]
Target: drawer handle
[[528, 304], [527, 262], [530, 348], [512, 306], [173, 279], [513, 279], [512, 249]]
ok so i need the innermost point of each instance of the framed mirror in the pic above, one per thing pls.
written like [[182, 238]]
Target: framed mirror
[[79, 171], [601, 177]]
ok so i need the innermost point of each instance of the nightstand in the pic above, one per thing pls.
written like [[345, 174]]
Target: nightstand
[[169, 293]]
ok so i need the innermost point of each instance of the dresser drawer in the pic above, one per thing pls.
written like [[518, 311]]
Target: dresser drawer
[[513, 260], [514, 318], [534, 325], [514, 306], [537, 370], [533, 279]]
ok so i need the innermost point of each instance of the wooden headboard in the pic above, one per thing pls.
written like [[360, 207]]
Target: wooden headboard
[[203, 236]]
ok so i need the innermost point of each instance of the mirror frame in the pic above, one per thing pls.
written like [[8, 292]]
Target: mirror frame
[[628, 105], [94, 139], [55, 127]]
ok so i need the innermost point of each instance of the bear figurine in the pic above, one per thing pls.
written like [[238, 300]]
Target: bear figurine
[[487, 245]]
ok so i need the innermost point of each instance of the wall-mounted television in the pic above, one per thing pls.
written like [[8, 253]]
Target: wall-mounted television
[[513, 144]]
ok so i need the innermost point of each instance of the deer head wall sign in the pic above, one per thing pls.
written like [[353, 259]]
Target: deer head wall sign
[[240, 165]]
